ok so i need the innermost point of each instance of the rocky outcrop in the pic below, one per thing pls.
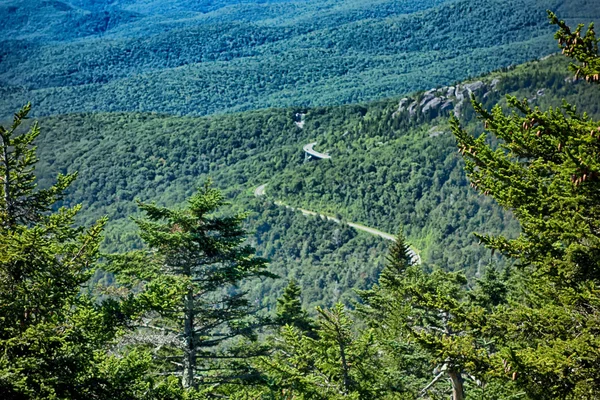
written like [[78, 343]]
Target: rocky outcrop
[[446, 98], [432, 104]]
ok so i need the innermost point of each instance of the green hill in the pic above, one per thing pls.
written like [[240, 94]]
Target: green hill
[[394, 165], [198, 58]]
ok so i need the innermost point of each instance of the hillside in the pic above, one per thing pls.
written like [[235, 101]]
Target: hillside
[[394, 166], [198, 58]]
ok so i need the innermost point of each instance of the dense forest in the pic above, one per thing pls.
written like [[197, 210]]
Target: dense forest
[[145, 255], [389, 170], [215, 57]]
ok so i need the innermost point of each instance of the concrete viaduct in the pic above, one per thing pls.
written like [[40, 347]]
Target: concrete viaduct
[[310, 153]]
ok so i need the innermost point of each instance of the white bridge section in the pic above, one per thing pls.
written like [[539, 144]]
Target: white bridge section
[[311, 153]]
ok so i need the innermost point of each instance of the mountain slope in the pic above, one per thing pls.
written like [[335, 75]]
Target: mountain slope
[[394, 166], [236, 56]]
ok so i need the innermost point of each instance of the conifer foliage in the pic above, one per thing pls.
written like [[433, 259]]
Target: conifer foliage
[[290, 311], [195, 260], [547, 171], [54, 341], [424, 318], [337, 362], [20, 202]]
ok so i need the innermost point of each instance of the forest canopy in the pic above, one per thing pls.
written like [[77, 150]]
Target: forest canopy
[[179, 303]]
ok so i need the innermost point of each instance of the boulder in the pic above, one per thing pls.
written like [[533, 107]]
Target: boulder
[[448, 105], [495, 83], [432, 104], [474, 86]]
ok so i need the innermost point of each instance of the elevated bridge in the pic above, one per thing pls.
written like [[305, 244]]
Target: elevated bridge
[[310, 153]]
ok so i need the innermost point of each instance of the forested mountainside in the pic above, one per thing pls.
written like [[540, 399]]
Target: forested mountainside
[[197, 58], [394, 166], [259, 260]]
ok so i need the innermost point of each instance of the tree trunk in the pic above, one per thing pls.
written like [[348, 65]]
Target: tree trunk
[[6, 178], [189, 355], [457, 385], [345, 368]]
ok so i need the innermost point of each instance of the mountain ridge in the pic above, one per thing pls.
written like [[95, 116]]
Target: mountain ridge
[[389, 170], [199, 68]]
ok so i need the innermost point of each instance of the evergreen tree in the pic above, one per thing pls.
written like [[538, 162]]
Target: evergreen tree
[[426, 321], [20, 203], [195, 261], [546, 169], [289, 309], [336, 363], [54, 341]]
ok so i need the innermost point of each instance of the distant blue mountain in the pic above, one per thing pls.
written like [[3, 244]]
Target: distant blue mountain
[[204, 57]]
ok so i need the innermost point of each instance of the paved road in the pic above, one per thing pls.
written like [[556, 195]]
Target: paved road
[[309, 149], [260, 191]]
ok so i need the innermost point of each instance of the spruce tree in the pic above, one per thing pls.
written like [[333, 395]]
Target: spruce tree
[[289, 309], [335, 363], [54, 341], [546, 170], [196, 259], [428, 327], [20, 203]]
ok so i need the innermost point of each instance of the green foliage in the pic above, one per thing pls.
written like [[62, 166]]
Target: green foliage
[[19, 203], [388, 169], [546, 171], [328, 260], [54, 341], [583, 49], [199, 59], [529, 330], [205, 256], [289, 309], [337, 364]]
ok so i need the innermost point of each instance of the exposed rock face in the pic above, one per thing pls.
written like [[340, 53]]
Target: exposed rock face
[[494, 83], [412, 109], [428, 95], [474, 87], [454, 98], [446, 98], [432, 104], [448, 105]]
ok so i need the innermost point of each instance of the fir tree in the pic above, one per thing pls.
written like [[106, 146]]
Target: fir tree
[[289, 309], [423, 319], [547, 171], [195, 261], [54, 341], [336, 363], [20, 203]]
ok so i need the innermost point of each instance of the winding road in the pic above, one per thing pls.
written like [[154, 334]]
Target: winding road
[[260, 191], [308, 149]]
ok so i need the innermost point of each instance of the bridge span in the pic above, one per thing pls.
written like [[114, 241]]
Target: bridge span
[[310, 153]]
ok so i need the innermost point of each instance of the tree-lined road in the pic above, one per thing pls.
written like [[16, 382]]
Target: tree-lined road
[[260, 191]]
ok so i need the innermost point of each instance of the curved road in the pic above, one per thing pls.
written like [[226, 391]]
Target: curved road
[[308, 148], [416, 258]]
